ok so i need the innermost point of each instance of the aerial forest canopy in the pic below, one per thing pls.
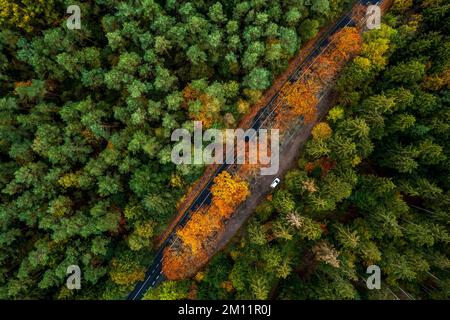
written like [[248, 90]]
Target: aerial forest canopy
[[371, 186], [86, 117]]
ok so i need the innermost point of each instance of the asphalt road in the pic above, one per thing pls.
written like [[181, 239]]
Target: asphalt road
[[154, 274]]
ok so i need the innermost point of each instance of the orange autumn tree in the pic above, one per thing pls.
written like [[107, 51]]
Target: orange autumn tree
[[208, 111], [348, 42], [196, 236], [326, 68], [21, 84], [180, 263], [302, 98], [302, 95], [227, 191], [231, 190], [201, 223], [209, 106]]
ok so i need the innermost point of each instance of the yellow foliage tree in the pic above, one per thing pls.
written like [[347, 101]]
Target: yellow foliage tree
[[302, 98], [230, 190], [347, 42], [196, 235], [26, 14], [321, 131], [201, 224]]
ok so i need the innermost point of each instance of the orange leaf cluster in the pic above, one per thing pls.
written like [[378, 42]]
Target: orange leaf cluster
[[21, 84], [310, 166], [206, 112], [189, 94], [201, 224], [228, 192], [324, 163], [180, 263], [229, 189], [321, 131], [302, 96], [348, 42]]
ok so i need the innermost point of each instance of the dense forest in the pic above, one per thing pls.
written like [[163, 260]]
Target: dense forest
[[371, 186], [86, 118]]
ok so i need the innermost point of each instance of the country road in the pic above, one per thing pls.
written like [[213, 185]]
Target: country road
[[154, 274]]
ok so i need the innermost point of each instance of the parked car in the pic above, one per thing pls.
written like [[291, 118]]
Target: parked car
[[275, 183]]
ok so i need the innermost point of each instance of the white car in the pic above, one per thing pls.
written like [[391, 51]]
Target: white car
[[275, 183]]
